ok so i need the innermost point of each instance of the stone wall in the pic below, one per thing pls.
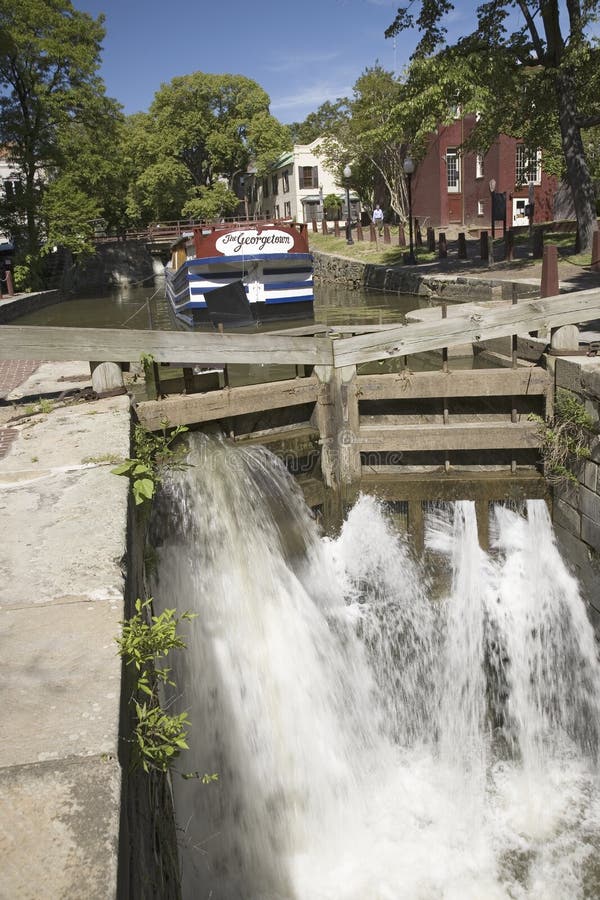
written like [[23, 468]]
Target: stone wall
[[576, 509], [453, 288], [126, 262]]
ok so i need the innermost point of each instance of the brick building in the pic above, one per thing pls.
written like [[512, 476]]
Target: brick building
[[453, 188]]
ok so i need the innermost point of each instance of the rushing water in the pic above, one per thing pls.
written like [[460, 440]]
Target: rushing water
[[382, 729]]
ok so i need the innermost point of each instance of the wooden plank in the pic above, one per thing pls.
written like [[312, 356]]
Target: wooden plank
[[299, 439], [111, 344], [213, 405], [456, 383], [532, 315], [471, 436], [455, 485]]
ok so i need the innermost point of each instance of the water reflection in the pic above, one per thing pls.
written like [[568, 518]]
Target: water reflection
[[146, 308]]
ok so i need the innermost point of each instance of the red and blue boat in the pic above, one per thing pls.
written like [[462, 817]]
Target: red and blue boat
[[241, 274]]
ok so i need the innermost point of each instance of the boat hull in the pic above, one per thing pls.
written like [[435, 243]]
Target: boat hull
[[276, 285]]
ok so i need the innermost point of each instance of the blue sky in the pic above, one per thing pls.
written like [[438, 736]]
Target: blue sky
[[301, 54]]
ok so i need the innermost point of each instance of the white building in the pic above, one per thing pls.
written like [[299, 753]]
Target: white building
[[295, 188]]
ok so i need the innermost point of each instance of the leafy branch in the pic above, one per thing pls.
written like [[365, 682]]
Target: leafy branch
[[158, 737], [155, 454]]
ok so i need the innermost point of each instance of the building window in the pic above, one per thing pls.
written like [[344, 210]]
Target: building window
[[528, 165], [453, 170], [274, 185], [277, 213], [286, 181], [265, 188], [308, 177], [480, 207], [287, 209], [479, 165]]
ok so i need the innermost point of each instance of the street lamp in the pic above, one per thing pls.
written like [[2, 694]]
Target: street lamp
[[347, 174], [493, 211], [409, 167]]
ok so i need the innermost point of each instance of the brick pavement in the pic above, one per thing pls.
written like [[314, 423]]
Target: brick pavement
[[13, 372]]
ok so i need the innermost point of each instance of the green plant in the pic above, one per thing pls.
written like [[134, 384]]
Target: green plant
[[155, 454], [145, 639], [43, 406], [566, 438]]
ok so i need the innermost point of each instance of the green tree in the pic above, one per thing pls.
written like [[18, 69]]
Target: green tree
[[49, 56], [543, 77], [376, 134], [201, 129], [324, 120]]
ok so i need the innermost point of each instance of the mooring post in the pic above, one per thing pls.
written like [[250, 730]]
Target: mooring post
[[462, 245], [107, 379], [549, 285]]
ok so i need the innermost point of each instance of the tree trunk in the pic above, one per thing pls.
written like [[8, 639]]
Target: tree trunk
[[578, 176]]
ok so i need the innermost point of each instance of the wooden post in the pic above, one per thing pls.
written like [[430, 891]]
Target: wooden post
[[431, 239], [336, 228], [549, 286], [315, 227], [324, 229], [482, 512], [418, 235], [484, 247], [386, 235], [596, 251], [401, 236], [359, 232], [107, 379], [538, 243], [415, 525], [336, 417], [462, 246], [442, 246], [372, 233], [509, 245]]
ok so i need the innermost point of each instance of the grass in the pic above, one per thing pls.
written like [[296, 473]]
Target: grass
[[367, 251], [378, 253]]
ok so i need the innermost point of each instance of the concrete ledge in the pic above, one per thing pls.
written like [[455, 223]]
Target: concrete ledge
[[63, 549], [21, 304], [59, 830]]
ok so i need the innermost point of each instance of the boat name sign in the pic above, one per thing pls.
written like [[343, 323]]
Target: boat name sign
[[253, 241]]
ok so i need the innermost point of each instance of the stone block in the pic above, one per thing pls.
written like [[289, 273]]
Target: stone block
[[567, 517], [589, 504], [590, 476], [568, 374], [590, 533]]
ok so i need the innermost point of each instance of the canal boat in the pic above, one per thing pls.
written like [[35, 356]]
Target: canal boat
[[240, 274]]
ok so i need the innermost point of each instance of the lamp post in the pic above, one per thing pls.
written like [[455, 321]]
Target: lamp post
[[409, 167], [492, 192], [347, 174]]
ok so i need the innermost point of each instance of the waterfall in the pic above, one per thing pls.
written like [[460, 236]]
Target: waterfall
[[383, 727]]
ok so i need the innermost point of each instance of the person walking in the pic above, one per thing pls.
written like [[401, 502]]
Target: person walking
[[378, 218]]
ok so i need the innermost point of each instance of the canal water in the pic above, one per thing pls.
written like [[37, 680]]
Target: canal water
[[146, 307], [383, 727]]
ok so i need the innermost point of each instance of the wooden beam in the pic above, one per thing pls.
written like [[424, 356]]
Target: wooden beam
[[456, 383], [459, 436], [531, 315], [111, 344], [213, 405], [455, 485]]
